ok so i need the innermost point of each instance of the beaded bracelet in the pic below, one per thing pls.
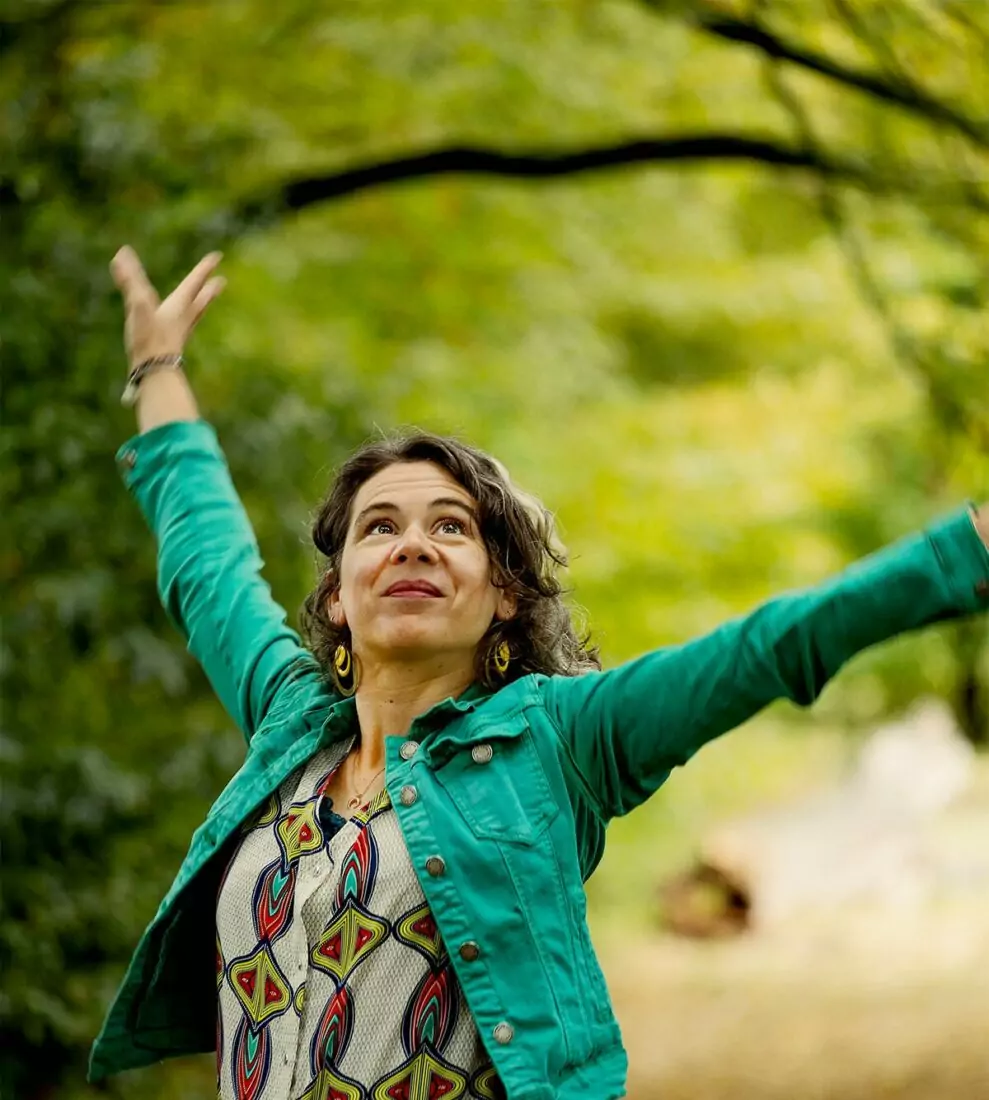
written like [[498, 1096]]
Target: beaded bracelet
[[142, 370]]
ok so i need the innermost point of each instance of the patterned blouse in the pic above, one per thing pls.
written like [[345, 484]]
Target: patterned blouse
[[332, 980]]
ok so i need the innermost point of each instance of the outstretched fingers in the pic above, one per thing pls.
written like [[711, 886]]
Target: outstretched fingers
[[132, 280], [186, 295], [210, 291]]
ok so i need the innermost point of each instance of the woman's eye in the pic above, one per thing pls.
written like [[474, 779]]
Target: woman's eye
[[451, 526], [379, 526]]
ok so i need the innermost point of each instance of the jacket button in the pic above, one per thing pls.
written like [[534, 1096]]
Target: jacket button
[[982, 589], [469, 951], [408, 795], [504, 1033], [408, 749], [481, 754], [436, 865]]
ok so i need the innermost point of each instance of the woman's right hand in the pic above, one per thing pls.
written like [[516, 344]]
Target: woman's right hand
[[153, 327]]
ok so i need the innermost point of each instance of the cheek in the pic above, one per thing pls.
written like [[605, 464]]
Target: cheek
[[483, 592], [349, 583], [359, 574]]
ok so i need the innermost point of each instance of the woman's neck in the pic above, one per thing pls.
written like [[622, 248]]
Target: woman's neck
[[390, 697]]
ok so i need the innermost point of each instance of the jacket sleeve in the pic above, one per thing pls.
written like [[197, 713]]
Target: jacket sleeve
[[209, 569], [628, 727]]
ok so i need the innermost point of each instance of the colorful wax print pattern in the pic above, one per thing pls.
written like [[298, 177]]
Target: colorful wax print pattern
[[332, 980]]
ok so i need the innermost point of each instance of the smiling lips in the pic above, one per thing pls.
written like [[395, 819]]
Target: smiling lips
[[415, 590]]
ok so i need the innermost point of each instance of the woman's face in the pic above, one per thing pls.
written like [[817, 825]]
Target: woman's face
[[415, 578]]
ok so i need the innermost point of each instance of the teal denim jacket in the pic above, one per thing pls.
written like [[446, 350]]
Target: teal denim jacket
[[518, 829]]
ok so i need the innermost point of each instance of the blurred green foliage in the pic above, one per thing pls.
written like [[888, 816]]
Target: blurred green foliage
[[728, 377]]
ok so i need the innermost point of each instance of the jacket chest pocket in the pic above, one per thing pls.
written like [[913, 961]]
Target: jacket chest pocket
[[500, 788]]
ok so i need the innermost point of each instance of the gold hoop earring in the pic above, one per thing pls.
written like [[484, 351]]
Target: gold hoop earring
[[502, 658], [344, 671]]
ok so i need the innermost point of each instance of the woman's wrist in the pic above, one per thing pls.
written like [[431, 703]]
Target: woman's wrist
[[164, 397], [143, 369]]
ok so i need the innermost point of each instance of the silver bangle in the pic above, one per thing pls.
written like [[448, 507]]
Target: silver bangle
[[142, 370]]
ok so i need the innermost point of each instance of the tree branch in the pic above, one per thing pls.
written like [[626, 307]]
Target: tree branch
[[894, 89], [907, 349], [876, 43], [307, 191]]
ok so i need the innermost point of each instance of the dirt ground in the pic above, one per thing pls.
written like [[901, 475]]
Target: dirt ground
[[879, 1005]]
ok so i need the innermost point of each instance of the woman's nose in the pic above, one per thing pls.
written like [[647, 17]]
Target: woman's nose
[[413, 544]]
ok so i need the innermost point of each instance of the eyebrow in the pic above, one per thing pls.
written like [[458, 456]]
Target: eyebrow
[[439, 502]]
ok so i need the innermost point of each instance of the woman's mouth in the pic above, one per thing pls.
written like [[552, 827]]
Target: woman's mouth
[[413, 590]]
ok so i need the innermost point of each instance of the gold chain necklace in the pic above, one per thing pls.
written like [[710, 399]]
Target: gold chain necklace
[[355, 802]]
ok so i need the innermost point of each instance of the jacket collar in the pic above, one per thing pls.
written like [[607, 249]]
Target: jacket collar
[[443, 728]]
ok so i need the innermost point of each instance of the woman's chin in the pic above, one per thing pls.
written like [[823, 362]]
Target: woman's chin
[[416, 641]]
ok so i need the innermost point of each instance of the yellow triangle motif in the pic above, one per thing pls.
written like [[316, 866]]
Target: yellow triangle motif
[[298, 831], [259, 985], [418, 929], [351, 936], [328, 1086], [424, 1076], [488, 1085]]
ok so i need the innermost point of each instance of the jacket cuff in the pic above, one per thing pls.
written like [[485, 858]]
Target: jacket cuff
[[144, 455], [151, 462], [964, 560]]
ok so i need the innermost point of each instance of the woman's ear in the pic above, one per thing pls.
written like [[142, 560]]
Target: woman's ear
[[334, 608], [507, 606]]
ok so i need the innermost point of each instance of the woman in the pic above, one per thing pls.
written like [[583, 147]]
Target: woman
[[391, 886]]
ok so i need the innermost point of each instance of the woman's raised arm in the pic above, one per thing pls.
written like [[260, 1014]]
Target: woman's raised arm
[[627, 728], [209, 566]]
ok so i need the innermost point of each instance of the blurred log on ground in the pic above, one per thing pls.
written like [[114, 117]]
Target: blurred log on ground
[[871, 838]]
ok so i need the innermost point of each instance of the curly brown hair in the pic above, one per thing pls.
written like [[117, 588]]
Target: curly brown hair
[[525, 554]]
